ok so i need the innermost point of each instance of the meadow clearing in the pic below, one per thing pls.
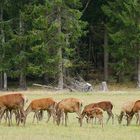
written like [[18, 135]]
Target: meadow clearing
[[50, 131]]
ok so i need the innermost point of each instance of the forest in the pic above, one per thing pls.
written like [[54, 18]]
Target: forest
[[46, 41]]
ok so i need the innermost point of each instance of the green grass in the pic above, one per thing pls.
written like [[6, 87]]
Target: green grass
[[50, 131]]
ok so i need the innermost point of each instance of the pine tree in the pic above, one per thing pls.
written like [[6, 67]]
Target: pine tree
[[52, 35], [124, 33]]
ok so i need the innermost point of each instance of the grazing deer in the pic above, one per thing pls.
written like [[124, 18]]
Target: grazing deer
[[96, 112], [135, 110], [39, 105], [104, 105], [11, 102], [126, 111], [65, 106]]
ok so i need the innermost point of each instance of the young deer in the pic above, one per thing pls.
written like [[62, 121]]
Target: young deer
[[96, 112], [104, 105]]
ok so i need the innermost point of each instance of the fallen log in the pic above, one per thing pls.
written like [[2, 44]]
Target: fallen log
[[45, 86], [78, 84], [70, 88]]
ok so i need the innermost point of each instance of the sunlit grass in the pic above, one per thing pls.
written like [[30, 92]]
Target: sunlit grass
[[50, 131]]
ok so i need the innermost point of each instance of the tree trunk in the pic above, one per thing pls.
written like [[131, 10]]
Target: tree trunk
[[3, 75], [105, 55], [60, 68], [22, 81], [1, 81], [5, 81], [45, 79], [60, 64], [103, 86], [139, 72]]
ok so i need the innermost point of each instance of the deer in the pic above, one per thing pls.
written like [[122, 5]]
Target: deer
[[39, 105], [135, 110], [65, 106], [11, 102], [104, 105], [126, 111], [95, 112]]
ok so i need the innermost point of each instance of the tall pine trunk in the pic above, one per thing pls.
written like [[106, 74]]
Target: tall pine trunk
[[139, 72], [5, 81], [22, 78], [1, 81], [105, 55], [3, 75], [45, 79], [60, 64], [22, 82]]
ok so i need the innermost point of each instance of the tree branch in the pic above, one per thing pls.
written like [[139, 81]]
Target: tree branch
[[86, 6]]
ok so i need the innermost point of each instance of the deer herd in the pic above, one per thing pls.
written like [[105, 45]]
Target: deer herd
[[13, 105]]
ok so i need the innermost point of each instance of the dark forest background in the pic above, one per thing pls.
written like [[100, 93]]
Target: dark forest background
[[45, 41]]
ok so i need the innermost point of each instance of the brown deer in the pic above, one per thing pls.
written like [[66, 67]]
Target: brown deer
[[135, 110], [126, 111], [39, 105], [65, 106], [104, 105], [12, 102], [95, 112]]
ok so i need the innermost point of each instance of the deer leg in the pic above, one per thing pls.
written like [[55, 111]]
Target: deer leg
[[138, 117], [40, 115], [24, 120], [37, 116], [11, 114], [6, 116], [49, 115], [66, 117], [129, 118], [91, 119], [87, 119], [10, 117], [3, 109], [18, 117], [95, 121], [62, 116], [54, 116], [101, 121], [110, 114], [34, 117]]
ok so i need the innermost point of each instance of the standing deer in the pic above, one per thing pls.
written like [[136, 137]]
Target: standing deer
[[39, 105], [65, 106], [12, 102]]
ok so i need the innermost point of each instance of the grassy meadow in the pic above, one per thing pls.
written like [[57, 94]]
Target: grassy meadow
[[50, 131]]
